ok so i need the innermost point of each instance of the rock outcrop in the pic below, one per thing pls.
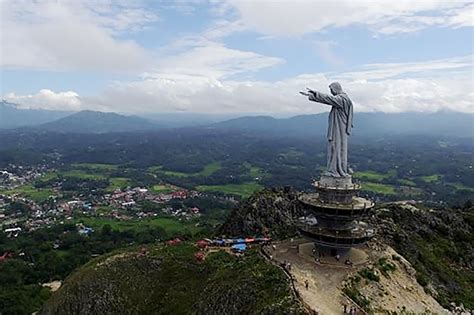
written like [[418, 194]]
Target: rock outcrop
[[271, 212]]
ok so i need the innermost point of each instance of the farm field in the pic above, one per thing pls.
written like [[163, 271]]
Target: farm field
[[243, 190], [169, 225]]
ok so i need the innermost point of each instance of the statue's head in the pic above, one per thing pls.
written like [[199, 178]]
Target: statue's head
[[335, 88]]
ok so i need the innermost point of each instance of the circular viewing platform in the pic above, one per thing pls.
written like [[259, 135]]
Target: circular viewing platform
[[357, 206], [356, 236]]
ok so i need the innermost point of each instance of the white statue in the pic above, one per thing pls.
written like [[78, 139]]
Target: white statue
[[339, 128]]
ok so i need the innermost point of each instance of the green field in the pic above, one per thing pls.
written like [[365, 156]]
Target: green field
[[379, 188], [95, 166], [170, 225], [431, 178], [208, 170], [254, 171], [410, 191], [48, 176], [243, 190], [163, 189], [30, 192], [291, 154], [460, 186], [374, 176], [83, 175], [407, 182], [118, 182]]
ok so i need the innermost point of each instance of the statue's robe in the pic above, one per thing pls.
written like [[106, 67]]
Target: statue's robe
[[339, 129]]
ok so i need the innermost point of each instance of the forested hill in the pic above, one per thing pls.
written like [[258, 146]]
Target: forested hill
[[99, 122], [13, 117]]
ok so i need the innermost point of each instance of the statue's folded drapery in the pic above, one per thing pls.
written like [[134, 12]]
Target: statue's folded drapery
[[339, 128]]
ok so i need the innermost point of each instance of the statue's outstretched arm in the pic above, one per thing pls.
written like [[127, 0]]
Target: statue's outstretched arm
[[325, 99]]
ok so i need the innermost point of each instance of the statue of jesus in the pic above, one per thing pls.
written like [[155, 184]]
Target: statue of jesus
[[339, 128]]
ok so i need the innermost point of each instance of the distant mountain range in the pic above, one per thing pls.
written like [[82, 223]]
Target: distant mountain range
[[13, 117], [99, 122], [365, 124], [74, 122]]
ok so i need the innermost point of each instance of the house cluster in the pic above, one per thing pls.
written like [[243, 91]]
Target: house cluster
[[127, 200], [15, 176], [124, 204]]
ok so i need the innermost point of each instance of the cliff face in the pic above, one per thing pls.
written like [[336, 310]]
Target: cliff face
[[169, 280], [438, 243]]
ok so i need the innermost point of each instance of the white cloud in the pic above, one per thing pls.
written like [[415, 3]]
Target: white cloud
[[72, 35], [428, 86], [295, 18], [390, 70], [214, 60], [395, 88], [47, 99]]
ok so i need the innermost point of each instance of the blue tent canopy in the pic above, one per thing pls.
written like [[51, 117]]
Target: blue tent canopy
[[239, 247]]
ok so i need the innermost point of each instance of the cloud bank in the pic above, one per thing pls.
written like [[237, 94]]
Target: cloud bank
[[197, 72], [429, 86]]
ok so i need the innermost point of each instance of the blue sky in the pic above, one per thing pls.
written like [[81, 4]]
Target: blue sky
[[236, 56]]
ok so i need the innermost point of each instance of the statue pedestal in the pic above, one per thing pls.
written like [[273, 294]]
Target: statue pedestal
[[335, 182], [336, 189], [337, 211]]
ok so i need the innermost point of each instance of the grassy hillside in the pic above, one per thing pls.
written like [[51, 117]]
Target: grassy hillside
[[169, 280]]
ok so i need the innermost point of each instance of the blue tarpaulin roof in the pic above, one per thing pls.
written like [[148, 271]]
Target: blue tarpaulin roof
[[239, 247]]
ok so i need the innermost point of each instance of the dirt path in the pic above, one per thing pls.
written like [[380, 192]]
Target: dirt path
[[398, 291], [323, 293]]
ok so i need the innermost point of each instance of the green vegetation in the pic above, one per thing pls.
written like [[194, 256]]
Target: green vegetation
[[118, 182], [31, 192], [208, 170], [254, 171], [379, 188], [170, 226], [79, 174], [162, 188], [385, 266], [351, 289], [243, 190], [95, 166], [438, 244], [370, 274], [460, 186], [20, 292], [407, 182], [177, 283], [431, 178], [49, 176], [373, 176], [435, 257], [292, 154]]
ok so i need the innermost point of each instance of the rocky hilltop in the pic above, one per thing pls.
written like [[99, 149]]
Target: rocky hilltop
[[437, 243], [271, 212]]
